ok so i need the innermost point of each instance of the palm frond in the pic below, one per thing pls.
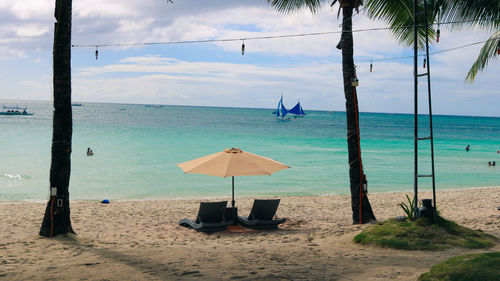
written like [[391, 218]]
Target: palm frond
[[398, 15], [287, 6], [470, 13], [486, 54]]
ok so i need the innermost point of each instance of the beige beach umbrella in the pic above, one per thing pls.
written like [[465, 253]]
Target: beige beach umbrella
[[230, 163]]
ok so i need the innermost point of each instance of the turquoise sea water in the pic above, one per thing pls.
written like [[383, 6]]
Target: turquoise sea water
[[137, 148]]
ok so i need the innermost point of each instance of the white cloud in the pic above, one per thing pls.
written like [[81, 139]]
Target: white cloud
[[29, 9], [306, 68], [30, 30], [96, 9]]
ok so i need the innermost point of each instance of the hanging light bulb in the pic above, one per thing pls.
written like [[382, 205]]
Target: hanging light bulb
[[339, 45], [243, 48], [438, 31], [96, 53], [371, 66], [425, 62]]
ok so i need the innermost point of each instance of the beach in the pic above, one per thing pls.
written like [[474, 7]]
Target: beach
[[141, 240]]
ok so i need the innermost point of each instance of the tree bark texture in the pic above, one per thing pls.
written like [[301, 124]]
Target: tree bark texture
[[57, 213], [360, 213]]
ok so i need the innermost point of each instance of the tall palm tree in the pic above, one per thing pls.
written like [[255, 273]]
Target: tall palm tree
[[361, 209], [484, 14], [57, 213], [398, 14]]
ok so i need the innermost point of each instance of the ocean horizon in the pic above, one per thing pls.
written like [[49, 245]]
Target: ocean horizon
[[136, 149]]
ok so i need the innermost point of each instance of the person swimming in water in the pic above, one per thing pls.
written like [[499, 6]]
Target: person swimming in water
[[89, 152], [467, 148]]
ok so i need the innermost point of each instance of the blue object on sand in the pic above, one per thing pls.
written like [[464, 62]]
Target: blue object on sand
[[105, 201]]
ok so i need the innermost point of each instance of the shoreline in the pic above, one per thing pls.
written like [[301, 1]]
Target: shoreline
[[240, 197], [141, 240]]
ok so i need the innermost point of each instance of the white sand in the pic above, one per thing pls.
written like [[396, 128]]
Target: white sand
[[141, 240]]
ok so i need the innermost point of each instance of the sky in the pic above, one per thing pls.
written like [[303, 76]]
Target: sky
[[306, 69]]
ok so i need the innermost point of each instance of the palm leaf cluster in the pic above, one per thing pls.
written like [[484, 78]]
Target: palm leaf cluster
[[287, 6], [398, 14], [487, 53]]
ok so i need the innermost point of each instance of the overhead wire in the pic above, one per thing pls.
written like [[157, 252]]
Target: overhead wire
[[251, 38], [431, 53], [371, 60]]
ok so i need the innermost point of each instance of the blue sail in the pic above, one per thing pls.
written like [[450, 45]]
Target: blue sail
[[281, 109], [284, 111], [297, 110], [278, 109]]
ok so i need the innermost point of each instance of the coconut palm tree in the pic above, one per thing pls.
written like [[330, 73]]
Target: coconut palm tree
[[361, 209], [57, 213], [398, 14], [483, 14]]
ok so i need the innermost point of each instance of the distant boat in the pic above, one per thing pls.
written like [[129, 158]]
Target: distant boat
[[297, 110], [14, 110], [76, 104], [154, 105]]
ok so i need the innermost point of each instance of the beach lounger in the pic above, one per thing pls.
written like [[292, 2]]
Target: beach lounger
[[210, 217], [262, 215]]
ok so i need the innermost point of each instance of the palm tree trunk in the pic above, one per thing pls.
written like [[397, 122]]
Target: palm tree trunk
[[361, 208], [57, 213]]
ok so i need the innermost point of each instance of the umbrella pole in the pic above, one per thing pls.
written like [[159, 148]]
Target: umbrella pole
[[235, 215], [232, 202]]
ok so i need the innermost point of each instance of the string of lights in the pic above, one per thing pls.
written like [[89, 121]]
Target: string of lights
[[256, 37], [298, 35]]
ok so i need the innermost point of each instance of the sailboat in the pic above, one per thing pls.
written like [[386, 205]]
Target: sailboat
[[297, 110]]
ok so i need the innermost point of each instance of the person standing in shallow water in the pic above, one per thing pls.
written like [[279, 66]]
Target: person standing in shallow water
[[467, 148], [89, 152]]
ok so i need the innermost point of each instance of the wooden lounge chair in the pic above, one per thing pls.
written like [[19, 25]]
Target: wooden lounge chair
[[210, 217], [262, 215]]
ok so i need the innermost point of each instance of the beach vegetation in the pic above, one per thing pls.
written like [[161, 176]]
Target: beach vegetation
[[424, 234], [409, 208], [468, 267]]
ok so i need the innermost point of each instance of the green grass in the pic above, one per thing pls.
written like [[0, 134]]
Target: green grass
[[472, 267], [421, 234]]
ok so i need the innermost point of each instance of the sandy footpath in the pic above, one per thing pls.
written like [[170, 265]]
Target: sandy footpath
[[141, 240]]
